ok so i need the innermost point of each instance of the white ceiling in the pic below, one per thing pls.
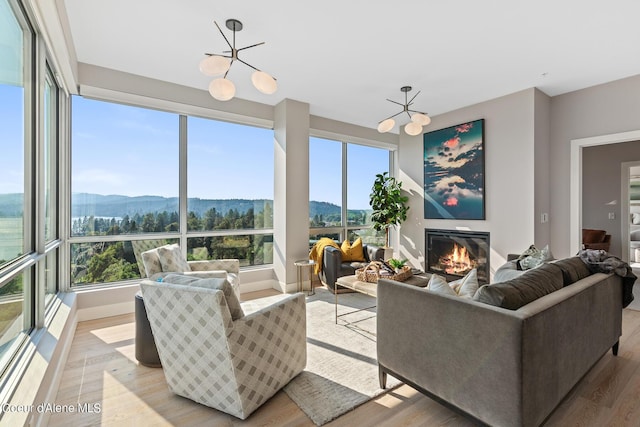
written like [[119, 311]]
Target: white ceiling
[[346, 57]]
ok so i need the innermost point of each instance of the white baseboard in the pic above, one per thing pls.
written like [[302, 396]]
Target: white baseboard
[[100, 312], [259, 285]]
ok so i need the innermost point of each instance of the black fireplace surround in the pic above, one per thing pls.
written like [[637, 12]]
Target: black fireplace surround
[[453, 253]]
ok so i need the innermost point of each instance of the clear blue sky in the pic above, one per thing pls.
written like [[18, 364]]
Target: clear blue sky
[[11, 139], [133, 151]]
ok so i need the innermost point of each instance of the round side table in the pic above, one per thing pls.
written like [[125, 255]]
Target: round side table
[[302, 266]]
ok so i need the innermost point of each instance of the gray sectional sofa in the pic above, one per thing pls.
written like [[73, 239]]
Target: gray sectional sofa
[[499, 366]]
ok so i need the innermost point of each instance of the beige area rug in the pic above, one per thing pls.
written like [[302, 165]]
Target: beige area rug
[[342, 369]]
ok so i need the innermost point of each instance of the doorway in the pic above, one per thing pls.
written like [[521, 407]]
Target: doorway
[[630, 204], [576, 171]]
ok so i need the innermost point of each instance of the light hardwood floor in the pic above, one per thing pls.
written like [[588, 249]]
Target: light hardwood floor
[[102, 368]]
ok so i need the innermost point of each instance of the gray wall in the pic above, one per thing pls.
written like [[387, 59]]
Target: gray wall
[[528, 138], [542, 118], [600, 110], [510, 192], [601, 184]]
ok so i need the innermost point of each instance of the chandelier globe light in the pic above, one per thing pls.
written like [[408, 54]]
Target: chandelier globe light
[[421, 119], [417, 119], [222, 89], [216, 64], [413, 128], [386, 125], [264, 82]]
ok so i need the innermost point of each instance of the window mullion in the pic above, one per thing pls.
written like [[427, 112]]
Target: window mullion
[[39, 138], [345, 233], [183, 174]]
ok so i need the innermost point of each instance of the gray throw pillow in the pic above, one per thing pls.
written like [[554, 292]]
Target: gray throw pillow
[[518, 292], [507, 271]]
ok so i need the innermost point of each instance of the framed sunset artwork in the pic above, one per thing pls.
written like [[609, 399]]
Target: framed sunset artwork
[[454, 172]]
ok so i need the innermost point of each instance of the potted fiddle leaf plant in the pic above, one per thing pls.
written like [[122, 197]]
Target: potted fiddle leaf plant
[[388, 204]]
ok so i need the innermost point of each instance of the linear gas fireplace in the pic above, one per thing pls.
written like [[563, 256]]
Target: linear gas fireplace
[[453, 253]]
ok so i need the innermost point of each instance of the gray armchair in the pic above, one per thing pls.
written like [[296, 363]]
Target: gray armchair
[[214, 353], [333, 266]]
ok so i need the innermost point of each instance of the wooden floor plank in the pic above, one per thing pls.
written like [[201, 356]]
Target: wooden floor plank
[[102, 369]]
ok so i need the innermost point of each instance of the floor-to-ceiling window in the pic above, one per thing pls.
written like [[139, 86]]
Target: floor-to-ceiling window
[[124, 181], [15, 187], [50, 161], [340, 179], [29, 143], [127, 170], [230, 191]]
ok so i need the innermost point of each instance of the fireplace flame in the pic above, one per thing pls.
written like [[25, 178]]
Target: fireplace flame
[[458, 261]]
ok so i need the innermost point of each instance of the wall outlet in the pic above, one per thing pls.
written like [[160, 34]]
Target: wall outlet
[[612, 215]]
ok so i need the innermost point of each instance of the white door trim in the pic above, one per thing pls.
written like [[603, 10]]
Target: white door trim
[[575, 176]]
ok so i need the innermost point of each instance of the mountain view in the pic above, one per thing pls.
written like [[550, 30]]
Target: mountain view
[[86, 204]]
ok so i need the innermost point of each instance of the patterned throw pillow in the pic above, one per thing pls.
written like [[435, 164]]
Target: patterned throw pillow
[[536, 259], [352, 252], [151, 262], [172, 259]]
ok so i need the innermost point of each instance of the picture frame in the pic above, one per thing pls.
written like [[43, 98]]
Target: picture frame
[[454, 172]]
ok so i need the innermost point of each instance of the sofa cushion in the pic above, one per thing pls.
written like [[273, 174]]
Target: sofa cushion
[[352, 252], [172, 259], [573, 269], [213, 283], [515, 293]]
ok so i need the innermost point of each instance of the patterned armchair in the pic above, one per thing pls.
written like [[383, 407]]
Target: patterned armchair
[[163, 260], [216, 355]]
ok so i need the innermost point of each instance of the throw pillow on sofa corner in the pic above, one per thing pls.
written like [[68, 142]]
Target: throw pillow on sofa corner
[[507, 271], [536, 259], [352, 251], [464, 288]]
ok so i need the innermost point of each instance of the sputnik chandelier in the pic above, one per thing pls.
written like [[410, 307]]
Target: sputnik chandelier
[[418, 119], [216, 64]]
